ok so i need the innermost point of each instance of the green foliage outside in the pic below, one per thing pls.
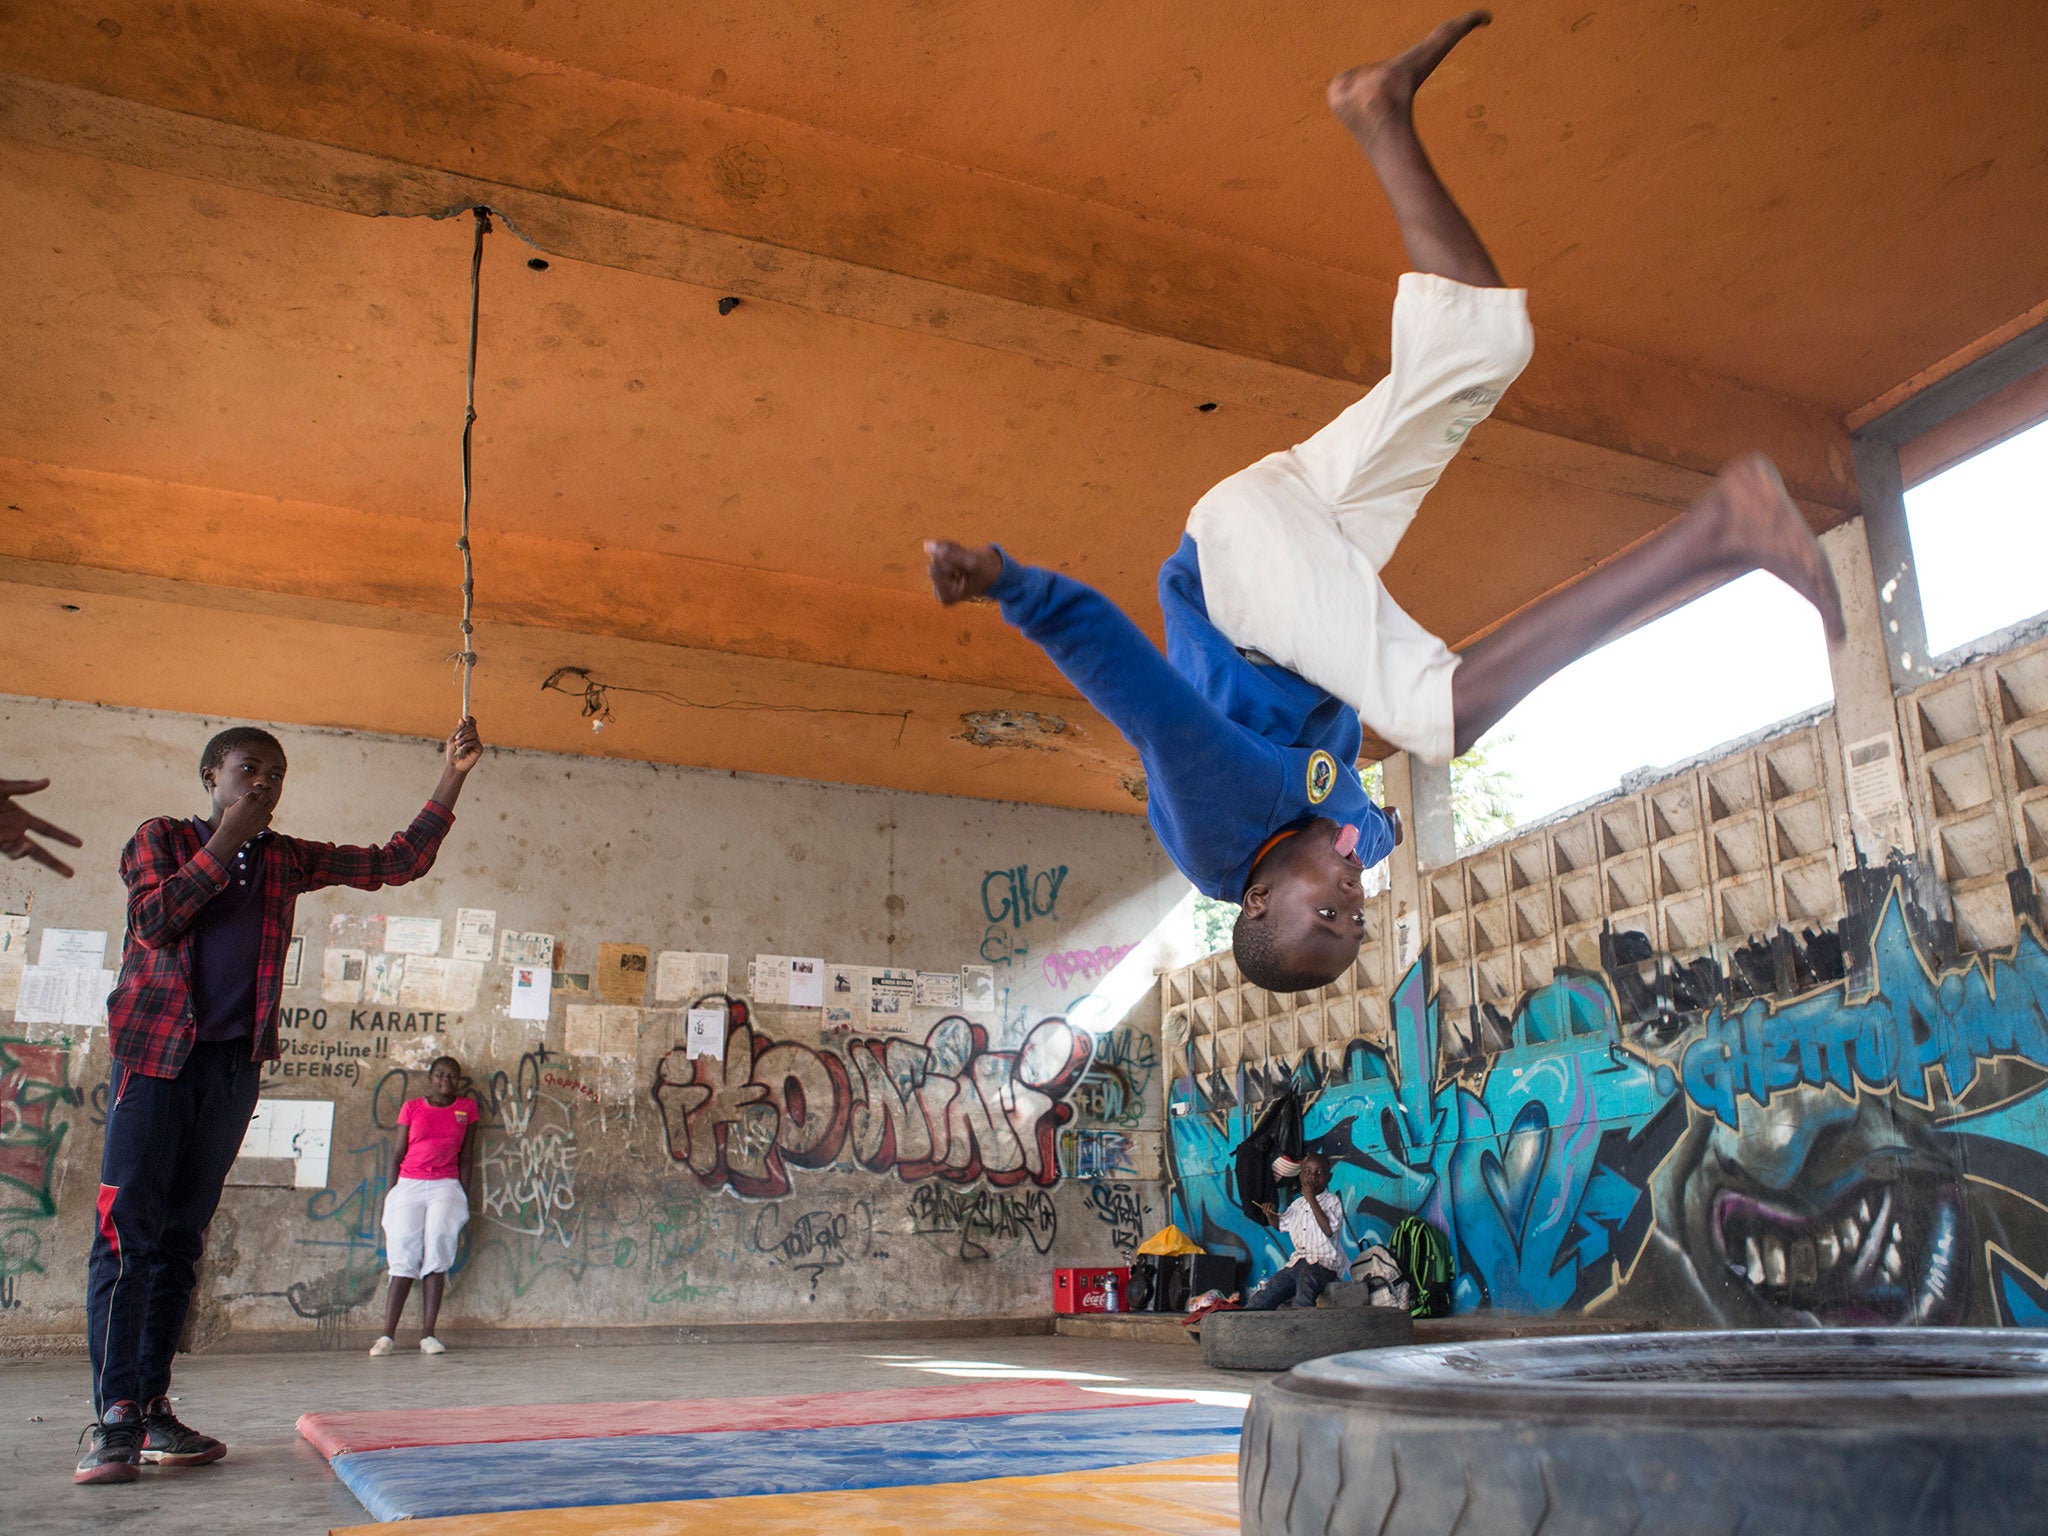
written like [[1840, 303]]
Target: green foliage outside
[[1483, 800]]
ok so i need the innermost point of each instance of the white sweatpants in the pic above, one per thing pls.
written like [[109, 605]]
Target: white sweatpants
[[1291, 548], [422, 1220]]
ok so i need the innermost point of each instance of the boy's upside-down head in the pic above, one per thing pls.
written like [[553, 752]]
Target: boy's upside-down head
[[1303, 914]]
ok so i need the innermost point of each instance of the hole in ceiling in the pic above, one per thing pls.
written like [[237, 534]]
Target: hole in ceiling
[[70, 607], [1206, 405], [1009, 728], [537, 264], [728, 304]]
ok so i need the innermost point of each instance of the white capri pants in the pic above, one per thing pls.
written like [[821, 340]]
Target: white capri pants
[[1291, 548], [422, 1220]]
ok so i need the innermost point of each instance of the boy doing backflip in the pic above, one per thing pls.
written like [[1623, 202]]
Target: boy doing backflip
[[1279, 635], [190, 1024]]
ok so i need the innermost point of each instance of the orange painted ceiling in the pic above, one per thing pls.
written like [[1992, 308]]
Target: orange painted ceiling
[[992, 258]]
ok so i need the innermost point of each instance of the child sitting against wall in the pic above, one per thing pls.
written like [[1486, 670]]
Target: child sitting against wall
[[427, 1208], [190, 1024]]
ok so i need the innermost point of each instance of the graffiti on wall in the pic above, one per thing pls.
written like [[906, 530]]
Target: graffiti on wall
[[983, 1224], [35, 1090], [949, 1108], [1870, 1149], [1112, 1092]]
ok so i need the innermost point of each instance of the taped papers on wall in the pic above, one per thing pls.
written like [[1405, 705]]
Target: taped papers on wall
[[412, 935], [14, 935], [573, 985], [532, 991], [938, 989], [535, 949], [621, 973], [73, 949], [300, 1129], [294, 957], [892, 994], [460, 981], [475, 929], [426, 979], [10, 980], [705, 1033], [768, 980], [978, 988], [806, 982], [609, 1030], [848, 997], [684, 975], [383, 979], [71, 995], [341, 976]]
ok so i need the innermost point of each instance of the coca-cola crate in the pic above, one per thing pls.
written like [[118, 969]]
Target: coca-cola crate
[[1084, 1290]]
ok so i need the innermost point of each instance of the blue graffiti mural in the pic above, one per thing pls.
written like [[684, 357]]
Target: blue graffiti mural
[[1869, 1151]]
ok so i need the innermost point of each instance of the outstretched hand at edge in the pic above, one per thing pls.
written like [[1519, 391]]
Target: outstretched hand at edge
[[18, 828]]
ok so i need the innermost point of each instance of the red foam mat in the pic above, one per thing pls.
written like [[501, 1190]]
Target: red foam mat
[[332, 1434]]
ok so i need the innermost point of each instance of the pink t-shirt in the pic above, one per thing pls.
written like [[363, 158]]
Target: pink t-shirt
[[435, 1133]]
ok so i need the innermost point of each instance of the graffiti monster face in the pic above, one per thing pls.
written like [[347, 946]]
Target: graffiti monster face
[[1820, 1209]]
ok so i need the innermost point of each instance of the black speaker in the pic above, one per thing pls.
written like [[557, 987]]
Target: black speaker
[[1212, 1272]]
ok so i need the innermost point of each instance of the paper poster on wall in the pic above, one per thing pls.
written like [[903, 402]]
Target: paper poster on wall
[[383, 979], [573, 985], [601, 1029], [978, 988], [300, 1129], [294, 956], [891, 996], [847, 997], [532, 991], [14, 935], [426, 980], [621, 1033], [412, 935], [73, 949], [621, 974], [684, 975], [352, 930], [768, 980], [341, 976], [938, 989], [460, 981], [71, 995], [806, 982], [475, 931], [10, 981], [706, 1033], [516, 948]]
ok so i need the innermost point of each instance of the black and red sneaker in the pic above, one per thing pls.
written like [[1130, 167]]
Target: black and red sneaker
[[167, 1443], [115, 1452]]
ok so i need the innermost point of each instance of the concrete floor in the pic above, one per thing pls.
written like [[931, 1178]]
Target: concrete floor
[[273, 1481]]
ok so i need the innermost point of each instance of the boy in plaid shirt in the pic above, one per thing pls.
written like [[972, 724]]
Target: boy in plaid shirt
[[190, 1024]]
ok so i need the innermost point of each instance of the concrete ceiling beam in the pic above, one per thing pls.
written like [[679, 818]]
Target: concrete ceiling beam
[[270, 95], [72, 632]]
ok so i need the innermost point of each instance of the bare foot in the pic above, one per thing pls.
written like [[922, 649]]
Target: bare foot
[[1760, 526], [958, 572], [1373, 96]]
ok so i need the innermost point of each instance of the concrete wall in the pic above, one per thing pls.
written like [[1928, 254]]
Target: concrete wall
[[930, 1174], [1675, 1054]]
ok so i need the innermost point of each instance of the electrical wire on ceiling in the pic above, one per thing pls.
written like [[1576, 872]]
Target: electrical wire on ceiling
[[597, 707]]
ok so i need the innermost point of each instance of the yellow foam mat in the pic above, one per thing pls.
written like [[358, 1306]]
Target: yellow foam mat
[[1193, 1497]]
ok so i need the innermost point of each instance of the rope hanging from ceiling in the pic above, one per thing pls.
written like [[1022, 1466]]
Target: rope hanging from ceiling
[[466, 657]]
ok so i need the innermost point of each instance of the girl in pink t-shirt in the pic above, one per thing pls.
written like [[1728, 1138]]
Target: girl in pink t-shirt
[[427, 1207]]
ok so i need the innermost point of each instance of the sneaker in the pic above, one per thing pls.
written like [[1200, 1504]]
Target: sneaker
[[383, 1346], [115, 1452], [432, 1346], [167, 1443]]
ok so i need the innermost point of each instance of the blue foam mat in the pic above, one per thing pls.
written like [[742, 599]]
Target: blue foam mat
[[417, 1481]]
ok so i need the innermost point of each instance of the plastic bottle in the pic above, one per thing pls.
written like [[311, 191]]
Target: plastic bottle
[[1110, 1301]]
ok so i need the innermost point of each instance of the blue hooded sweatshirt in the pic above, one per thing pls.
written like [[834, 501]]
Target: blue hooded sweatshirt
[[1234, 750]]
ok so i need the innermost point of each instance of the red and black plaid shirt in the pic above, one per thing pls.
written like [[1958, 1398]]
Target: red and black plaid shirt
[[171, 877]]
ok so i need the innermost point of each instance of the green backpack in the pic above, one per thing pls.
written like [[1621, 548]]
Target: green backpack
[[1425, 1258]]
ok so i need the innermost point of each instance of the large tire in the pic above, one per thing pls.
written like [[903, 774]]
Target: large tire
[[1822, 1432], [1286, 1336]]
